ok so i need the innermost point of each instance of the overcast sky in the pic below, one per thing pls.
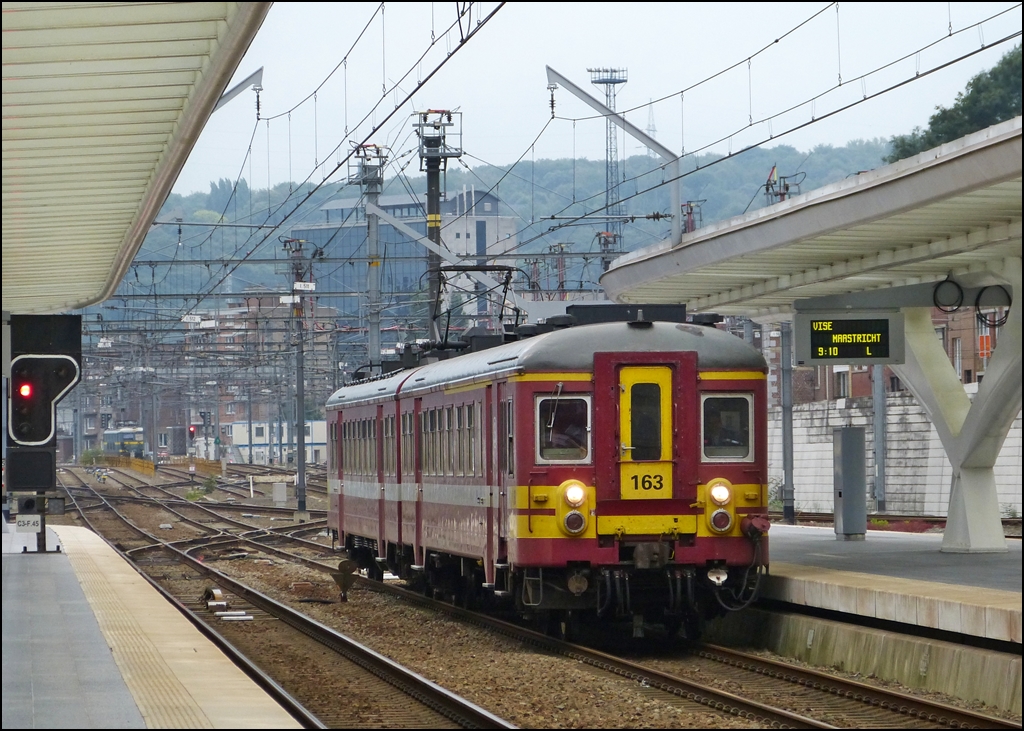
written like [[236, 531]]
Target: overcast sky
[[498, 78]]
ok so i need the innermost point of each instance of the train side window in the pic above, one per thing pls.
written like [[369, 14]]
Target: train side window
[[726, 426], [389, 445], [367, 447], [423, 442], [563, 429], [361, 447], [470, 440], [449, 442], [350, 450], [406, 448], [457, 444], [434, 449], [346, 449], [374, 429]]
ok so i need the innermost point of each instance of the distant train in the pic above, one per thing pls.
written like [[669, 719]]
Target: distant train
[[126, 441], [598, 472]]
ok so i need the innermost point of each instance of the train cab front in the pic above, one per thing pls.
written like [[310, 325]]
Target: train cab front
[[664, 518]]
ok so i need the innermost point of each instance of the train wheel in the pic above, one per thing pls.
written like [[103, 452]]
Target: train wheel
[[466, 593], [567, 625], [692, 628], [673, 624]]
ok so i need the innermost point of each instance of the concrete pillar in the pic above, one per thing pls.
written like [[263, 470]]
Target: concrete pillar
[[880, 418], [971, 433]]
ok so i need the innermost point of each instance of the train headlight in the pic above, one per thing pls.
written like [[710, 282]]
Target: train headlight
[[575, 492], [719, 493], [575, 522]]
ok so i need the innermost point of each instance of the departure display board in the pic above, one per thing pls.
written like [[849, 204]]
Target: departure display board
[[849, 338], [871, 338]]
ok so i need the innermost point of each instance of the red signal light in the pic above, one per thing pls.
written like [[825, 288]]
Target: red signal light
[[38, 382], [192, 431]]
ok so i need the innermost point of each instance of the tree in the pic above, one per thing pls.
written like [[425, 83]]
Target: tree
[[991, 97]]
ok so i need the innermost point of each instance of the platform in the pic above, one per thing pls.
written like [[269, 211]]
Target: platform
[[88, 643], [899, 577]]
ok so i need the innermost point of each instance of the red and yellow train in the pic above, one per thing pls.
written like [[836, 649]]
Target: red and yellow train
[[612, 471]]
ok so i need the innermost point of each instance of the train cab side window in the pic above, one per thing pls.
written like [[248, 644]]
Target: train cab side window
[[726, 423], [563, 429]]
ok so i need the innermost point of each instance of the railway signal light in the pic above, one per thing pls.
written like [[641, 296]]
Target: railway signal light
[[191, 431], [38, 382]]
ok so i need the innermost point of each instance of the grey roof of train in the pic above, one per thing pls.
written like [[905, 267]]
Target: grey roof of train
[[571, 349]]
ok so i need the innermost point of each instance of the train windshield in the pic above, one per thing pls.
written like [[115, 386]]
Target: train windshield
[[563, 429], [726, 422]]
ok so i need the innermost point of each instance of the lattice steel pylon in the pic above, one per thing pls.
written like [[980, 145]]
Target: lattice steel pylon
[[611, 79]]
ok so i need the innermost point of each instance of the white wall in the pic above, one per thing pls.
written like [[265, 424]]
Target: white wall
[[918, 475]]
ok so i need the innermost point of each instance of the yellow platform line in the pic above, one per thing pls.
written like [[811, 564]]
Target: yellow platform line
[[167, 664]]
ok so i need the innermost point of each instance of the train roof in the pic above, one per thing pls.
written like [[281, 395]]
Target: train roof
[[569, 349]]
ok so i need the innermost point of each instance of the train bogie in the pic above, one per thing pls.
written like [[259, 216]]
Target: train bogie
[[615, 471]]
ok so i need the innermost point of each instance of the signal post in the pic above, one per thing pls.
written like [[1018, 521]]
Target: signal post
[[42, 363]]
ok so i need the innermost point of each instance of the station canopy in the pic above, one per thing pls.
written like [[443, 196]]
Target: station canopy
[[102, 104], [955, 209]]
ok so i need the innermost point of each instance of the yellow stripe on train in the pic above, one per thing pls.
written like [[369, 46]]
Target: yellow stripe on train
[[731, 376], [645, 525]]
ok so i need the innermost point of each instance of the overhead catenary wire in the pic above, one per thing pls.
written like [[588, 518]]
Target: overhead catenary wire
[[271, 209], [816, 118], [482, 23], [770, 137]]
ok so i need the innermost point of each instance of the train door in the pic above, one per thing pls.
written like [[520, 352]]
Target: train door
[[377, 470], [483, 452], [645, 433], [417, 471], [500, 430], [336, 474]]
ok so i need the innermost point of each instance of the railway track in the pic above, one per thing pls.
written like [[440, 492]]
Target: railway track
[[323, 678], [737, 685], [769, 692]]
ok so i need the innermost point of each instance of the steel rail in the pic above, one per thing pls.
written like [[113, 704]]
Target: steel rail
[[716, 700], [452, 706], [264, 681], [893, 700], [430, 694]]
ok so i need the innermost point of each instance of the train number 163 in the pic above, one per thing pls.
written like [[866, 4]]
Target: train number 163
[[648, 482]]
